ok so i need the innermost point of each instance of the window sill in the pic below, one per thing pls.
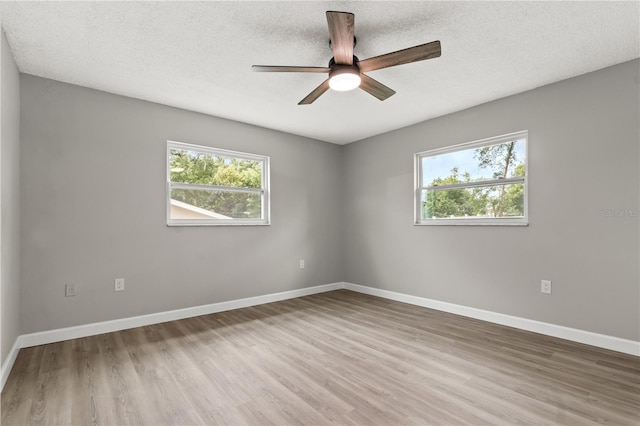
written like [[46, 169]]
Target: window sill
[[473, 222], [218, 224]]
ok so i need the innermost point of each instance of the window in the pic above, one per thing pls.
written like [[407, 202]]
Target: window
[[208, 186], [476, 183]]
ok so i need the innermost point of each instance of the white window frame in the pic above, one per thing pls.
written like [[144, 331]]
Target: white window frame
[[419, 187], [263, 191]]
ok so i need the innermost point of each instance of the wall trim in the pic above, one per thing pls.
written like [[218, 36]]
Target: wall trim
[[58, 335], [617, 344], [8, 362], [61, 334]]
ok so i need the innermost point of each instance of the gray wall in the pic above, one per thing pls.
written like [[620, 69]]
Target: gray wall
[[583, 159], [93, 209], [9, 202]]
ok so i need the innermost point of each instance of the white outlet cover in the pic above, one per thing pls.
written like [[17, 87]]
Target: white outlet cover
[[69, 290], [119, 284]]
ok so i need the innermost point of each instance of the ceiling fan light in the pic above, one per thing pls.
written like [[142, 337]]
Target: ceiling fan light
[[344, 80]]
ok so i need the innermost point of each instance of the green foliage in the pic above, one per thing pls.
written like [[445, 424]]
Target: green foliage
[[514, 195], [492, 201], [207, 169], [498, 158], [454, 202]]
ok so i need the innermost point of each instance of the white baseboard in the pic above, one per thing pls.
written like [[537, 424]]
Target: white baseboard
[[93, 329], [8, 362], [630, 347], [61, 334], [50, 336]]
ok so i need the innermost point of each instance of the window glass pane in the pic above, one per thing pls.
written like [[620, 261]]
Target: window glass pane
[[210, 169], [213, 204], [483, 201], [475, 164]]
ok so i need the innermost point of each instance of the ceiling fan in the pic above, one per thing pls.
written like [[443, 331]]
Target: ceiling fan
[[346, 71]]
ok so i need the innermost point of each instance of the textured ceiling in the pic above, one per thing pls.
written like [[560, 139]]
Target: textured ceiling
[[197, 55]]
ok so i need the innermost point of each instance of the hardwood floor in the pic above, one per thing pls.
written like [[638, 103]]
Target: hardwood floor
[[331, 358]]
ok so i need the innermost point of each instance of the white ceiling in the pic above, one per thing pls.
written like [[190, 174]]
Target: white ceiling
[[197, 55]]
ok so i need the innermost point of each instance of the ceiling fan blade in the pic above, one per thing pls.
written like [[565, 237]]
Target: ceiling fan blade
[[341, 33], [276, 68], [375, 88], [399, 57], [315, 94]]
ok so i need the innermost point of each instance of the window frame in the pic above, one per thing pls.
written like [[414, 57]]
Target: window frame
[[264, 190], [466, 221]]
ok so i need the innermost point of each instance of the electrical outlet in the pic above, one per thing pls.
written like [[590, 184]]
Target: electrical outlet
[[545, 286], [301, 263], [69, 290], [119, 284]]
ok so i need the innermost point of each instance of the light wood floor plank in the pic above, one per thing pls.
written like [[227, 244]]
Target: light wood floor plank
[[336, 358]]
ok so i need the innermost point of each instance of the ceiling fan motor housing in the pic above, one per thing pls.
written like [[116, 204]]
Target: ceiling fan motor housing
[[332, 63]]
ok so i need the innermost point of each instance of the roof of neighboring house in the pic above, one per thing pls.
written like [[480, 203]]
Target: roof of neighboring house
[[196, 210]]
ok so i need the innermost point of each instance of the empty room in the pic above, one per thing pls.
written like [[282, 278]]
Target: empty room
[[320, 212]]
